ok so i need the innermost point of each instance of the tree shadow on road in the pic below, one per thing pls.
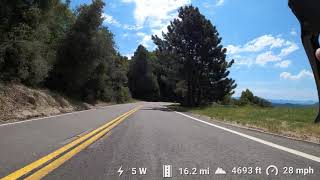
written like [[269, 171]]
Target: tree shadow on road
[[176, 107], [158, 109]]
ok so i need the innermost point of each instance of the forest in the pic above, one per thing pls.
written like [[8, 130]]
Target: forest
[[46, 44]]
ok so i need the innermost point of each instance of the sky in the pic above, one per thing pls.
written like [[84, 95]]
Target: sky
[[263, 37]]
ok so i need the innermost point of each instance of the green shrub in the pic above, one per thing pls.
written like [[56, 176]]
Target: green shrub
[[247, 98], [107, 94], [22, 62], [122, 95]]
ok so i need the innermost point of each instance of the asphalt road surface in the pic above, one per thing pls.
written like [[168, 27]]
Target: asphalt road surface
[[104, 142]]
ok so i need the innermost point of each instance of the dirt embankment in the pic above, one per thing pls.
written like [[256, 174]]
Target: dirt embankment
[[18, 102]]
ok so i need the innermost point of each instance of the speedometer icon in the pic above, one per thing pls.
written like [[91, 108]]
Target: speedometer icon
[[272, 170]]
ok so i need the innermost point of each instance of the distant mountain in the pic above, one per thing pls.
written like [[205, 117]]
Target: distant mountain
[[291, 103], [281, 101], [295, 105]]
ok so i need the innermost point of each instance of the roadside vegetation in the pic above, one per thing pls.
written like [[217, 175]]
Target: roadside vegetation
[[276, 119], [189, 65], [46, 45], [290, 121]]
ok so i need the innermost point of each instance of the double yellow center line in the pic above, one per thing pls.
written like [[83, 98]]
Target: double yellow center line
[[63, 154]]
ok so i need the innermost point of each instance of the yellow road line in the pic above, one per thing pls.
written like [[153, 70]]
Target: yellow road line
[[17, 174], [61, 160]]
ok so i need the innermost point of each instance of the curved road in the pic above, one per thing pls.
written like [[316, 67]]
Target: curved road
[[141, 141]]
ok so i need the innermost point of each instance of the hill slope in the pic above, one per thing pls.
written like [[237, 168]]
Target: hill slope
[[19, 102]]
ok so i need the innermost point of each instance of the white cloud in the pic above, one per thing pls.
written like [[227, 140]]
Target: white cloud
[[124, 35], [210, 4], [291, 47], [293, 32], [241, 60], [302, 74], [257, 44], [155, 15], [110, 20], [266, 57], [131, 27], [146, 39], [141, 34], [220, 2], [264, 49], [283, 64], [129, 56], [147, 10], [232, 49]]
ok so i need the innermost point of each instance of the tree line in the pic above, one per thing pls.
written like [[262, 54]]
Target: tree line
[[43, 43], [189, 64]]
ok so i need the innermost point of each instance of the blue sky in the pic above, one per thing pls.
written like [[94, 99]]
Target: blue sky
[[263, 37]]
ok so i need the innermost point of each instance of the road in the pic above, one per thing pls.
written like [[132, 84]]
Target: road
[[148, 137]]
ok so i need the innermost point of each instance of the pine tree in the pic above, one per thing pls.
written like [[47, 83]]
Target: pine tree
[[142, 82], [88, 65], [195, 45], [164, 67]]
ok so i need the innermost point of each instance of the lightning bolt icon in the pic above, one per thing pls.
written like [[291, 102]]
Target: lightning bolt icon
[[120, 171]]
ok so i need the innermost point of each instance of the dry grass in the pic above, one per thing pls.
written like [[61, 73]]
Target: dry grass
[[292, 121]]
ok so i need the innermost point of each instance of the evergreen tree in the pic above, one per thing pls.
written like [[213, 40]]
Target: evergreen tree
[[88, 66], [120, 80], [201, 64], [79, 54], [164, 69], [142, 82]]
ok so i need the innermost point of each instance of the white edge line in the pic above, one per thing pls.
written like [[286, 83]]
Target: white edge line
[[292, 151], [47, 117]]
